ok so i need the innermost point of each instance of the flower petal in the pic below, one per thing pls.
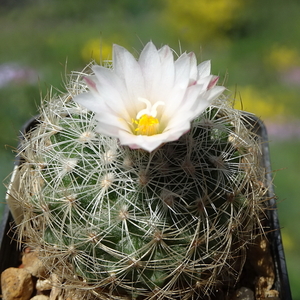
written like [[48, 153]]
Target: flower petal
[[158, 71], [148, 143], [214, 93], [113, 120], [127, 68], [204, 68], [193, 69], [181, 82], [88, 101], [182, 71], [149, 62], [114, 92]]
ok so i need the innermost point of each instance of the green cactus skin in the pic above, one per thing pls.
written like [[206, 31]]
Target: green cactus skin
[[117, 223]]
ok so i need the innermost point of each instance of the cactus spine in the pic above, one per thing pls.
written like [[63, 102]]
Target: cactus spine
[[117, 223]]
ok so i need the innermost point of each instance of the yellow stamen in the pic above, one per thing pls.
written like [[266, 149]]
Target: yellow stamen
[[146, 125]]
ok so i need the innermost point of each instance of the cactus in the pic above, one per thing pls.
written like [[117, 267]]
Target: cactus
[[119, 223]]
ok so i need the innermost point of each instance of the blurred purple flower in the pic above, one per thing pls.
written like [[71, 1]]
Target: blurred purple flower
[[14, 73], [284, 131]]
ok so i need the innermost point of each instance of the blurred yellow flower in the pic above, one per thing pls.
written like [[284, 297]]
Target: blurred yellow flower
[[287, 241], [202, 20], [282, 58], [96, 50], [261, 104]]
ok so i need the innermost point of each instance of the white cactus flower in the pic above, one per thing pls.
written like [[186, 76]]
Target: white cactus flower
[[150, 101]]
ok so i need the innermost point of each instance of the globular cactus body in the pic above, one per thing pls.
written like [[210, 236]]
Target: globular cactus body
[[128, 224]]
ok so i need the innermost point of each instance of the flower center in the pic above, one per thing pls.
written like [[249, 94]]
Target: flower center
[[146, 122], [146, 125]]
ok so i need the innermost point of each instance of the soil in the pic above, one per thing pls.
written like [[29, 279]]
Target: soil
[[256, 281]]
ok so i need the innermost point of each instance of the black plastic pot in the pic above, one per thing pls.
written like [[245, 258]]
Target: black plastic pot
[[274, 236], [10, 254]]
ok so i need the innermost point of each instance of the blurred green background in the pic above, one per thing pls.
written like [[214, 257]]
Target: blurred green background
[[254, 46]]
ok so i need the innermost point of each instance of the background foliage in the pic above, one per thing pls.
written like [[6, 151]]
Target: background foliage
[[254, 47]]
